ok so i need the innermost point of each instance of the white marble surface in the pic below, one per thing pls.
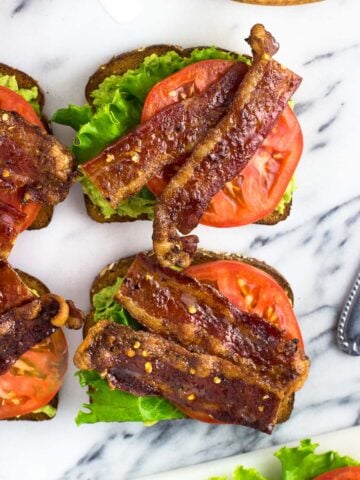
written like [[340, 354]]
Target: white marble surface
[[61, 42]]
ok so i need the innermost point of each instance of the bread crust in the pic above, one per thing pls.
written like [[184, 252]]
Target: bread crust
[[26, 81], [41, 289], [120, 64]]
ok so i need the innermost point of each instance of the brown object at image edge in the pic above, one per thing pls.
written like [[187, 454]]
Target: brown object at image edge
[[278, 3]]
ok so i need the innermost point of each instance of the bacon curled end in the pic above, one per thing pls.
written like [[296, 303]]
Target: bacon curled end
[[224, 152]]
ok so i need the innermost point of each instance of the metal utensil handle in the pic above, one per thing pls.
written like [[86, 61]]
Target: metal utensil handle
[[347, 345]]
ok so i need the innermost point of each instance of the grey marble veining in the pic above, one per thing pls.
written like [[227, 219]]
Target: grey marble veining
[[61, 42]]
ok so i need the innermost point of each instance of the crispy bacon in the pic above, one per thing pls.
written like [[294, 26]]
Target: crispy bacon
[[224, 152], [24, 326], [13, 291], [11, 223], [204, 386], [33, 161], [199, 317], [25, 320], [125, 166]]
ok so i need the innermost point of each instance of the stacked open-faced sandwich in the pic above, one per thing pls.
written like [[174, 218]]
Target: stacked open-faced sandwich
[[33, 348], [36, 170], [218, 342], [151, 113]]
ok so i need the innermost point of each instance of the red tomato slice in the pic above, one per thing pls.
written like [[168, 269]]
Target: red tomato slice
[[345, 473], [187, 82], [14, 102], [258, 190], [35, 378], [251, 290]]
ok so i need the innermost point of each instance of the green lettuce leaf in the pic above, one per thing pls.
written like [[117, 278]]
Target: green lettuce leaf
[[73, 116], [242, 473], [302, 463], [109, 405], [298, 463], [116, 406], [107, 308], [28, 94]]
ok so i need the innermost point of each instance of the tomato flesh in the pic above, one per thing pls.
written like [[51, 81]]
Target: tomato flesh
[[345, 473], [251, 290], [187, 82], [35, 378], [13, 102], [257, 191]]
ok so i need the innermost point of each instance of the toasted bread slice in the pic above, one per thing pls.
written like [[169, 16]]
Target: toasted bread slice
[[110, 273], [41, 289], [25, 81], [118, 66]]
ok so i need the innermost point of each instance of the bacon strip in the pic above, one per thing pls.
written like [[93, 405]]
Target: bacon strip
[[224, 152], [11, 223], [33, 161], [26, 320], [125, 166], [205, 387], [199, 317], [25, 326], [13, 291]]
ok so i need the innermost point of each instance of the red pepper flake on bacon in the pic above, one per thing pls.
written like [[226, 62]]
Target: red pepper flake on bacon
[[224, 152]]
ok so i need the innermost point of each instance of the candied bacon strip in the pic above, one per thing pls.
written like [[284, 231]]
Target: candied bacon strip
[[11, 223], [13, 291], [33, 161], [26, 320], [224, 152], [199, 317], [204, 386], [124, 167], [24, 326]]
